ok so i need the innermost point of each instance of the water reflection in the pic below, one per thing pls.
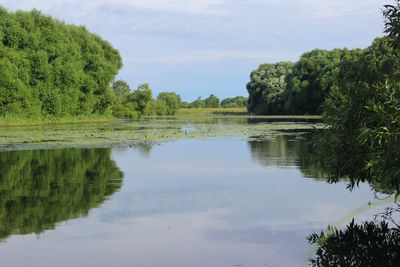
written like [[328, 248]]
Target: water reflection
[[144, 149], [269, 119], [287, 150], [369, 243], [373, 242], [41, 188]]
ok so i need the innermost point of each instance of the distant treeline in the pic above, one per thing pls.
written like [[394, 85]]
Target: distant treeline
[[214, 102], [131, 104], [302, 87], [49, 68]]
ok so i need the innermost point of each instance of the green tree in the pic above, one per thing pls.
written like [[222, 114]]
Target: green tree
[[363, 140], [172, 101], [142, 97], [267, 88], [198, 103], [49, 68], [134, 104], [184, 104], [121, 88], [312, 78], [157, 108], [235, 102], [392, 22], [211, 102], [362, 144]]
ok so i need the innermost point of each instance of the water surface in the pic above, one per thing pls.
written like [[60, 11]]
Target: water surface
[[228, 201]]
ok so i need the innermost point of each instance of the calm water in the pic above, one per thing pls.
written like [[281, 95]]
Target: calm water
[[211, 202]]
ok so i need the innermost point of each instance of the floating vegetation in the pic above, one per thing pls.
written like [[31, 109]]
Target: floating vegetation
[[121, 133]]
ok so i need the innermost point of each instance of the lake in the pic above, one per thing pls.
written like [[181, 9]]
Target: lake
[[223, 200]]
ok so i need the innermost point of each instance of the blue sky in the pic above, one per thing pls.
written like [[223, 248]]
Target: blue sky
[[199, 47]]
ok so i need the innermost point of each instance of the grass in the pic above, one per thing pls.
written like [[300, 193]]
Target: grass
[[11, 121], [211, 111]]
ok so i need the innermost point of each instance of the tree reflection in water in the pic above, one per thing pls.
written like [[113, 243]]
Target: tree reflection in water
[[368, 244], [286, 150], [371, 243], [39, 189], [374, 243]]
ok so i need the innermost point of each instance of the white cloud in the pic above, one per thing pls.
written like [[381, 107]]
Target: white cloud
[[184, 6], [189, 6], [321, 8], [209, 33], [339, 8], [217, 55]]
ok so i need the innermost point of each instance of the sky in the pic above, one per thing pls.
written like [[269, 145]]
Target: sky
[[202, 47]]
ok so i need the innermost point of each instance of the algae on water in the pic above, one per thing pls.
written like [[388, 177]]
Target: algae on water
[[120, 133]]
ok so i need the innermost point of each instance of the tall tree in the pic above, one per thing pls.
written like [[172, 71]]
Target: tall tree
[[172, 101], [211, 102], [267, 88], [121, 88], [49, 68], [311, 80], [235, 102]]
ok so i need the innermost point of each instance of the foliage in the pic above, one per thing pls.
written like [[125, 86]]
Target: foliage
[[300, 88], [141, 97], [198, 103], [134, 104], [312, 78], [18, 121], [171, 100], [211, 111], [157, 108], [184, 104], [267, 88], [49, 68], [121, 88], [363, 141], [367, 245], [392, 22], [211, 102], [235, 102]]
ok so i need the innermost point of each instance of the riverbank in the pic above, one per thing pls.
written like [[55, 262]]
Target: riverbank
[[12, 121], [20, 121]]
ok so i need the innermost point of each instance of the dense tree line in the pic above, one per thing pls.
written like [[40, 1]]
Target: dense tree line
[[48, 68], [51, 69], [297, 88], [214, 102], [234, 102], [267, 88]]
